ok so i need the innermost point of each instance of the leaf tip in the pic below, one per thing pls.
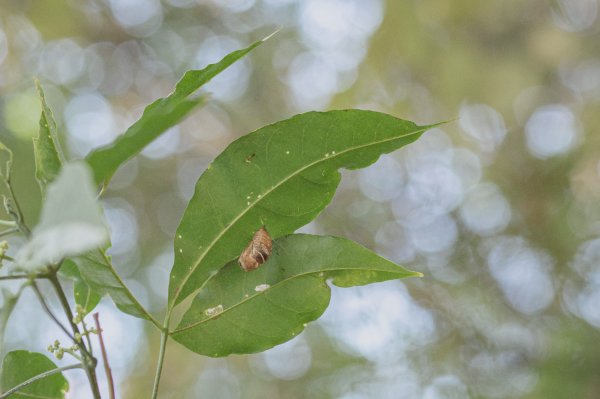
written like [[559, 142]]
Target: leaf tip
[[271, 35]]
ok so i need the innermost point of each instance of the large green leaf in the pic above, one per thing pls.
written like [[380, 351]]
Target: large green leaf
[[280, 176], [247, 312], [19, 366], [48, 155], [158, 117]]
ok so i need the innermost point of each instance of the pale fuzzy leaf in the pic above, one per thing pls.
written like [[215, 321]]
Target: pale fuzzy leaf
[[71, 222]]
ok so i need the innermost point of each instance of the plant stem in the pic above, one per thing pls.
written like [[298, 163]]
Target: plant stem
[[164, 335], [8, 223], [107, 370], [89, 361], [39, 377], [87, 336]]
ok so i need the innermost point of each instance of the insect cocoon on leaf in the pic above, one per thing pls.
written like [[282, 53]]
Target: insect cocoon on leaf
[[257, 252]]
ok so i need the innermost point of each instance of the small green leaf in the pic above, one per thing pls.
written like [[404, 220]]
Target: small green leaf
[[99, 274], [48, 156], [84, 296], [19, 366], [158, 117], [247, 312], [71, 222], [280, 176]]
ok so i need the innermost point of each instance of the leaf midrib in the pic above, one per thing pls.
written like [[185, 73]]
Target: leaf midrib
[[308, 273], [269, 191]]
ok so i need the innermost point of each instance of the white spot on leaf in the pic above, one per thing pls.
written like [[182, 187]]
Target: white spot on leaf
[[262, 287], [211, 312]]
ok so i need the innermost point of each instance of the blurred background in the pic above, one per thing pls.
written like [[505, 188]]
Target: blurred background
[[500, 209]]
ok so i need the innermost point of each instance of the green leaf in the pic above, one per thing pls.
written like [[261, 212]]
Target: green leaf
[[99, 274], [84, 296], [19, 366], [71, 222], [48, 156], [280, 176], [246, 312], [158, 117]]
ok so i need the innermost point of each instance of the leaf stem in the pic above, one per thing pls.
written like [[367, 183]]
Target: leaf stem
[[107, 370], [8, 223], [39, 377], [164, 335]]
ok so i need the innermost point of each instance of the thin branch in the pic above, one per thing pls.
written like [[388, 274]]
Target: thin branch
[[39, 377], [14, 277], [67, 309], [24, 276], [49, 312], [86, 332], [9, 232], [107, 370]]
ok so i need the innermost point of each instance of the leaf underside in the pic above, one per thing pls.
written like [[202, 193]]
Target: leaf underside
[[19, 366], [280, 176], [246, 312], [98, 272]]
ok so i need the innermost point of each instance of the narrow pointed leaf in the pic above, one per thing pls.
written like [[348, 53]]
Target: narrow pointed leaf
[[48, 155], [158, 117], [19, 366], [246, 312], [280, 176]]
